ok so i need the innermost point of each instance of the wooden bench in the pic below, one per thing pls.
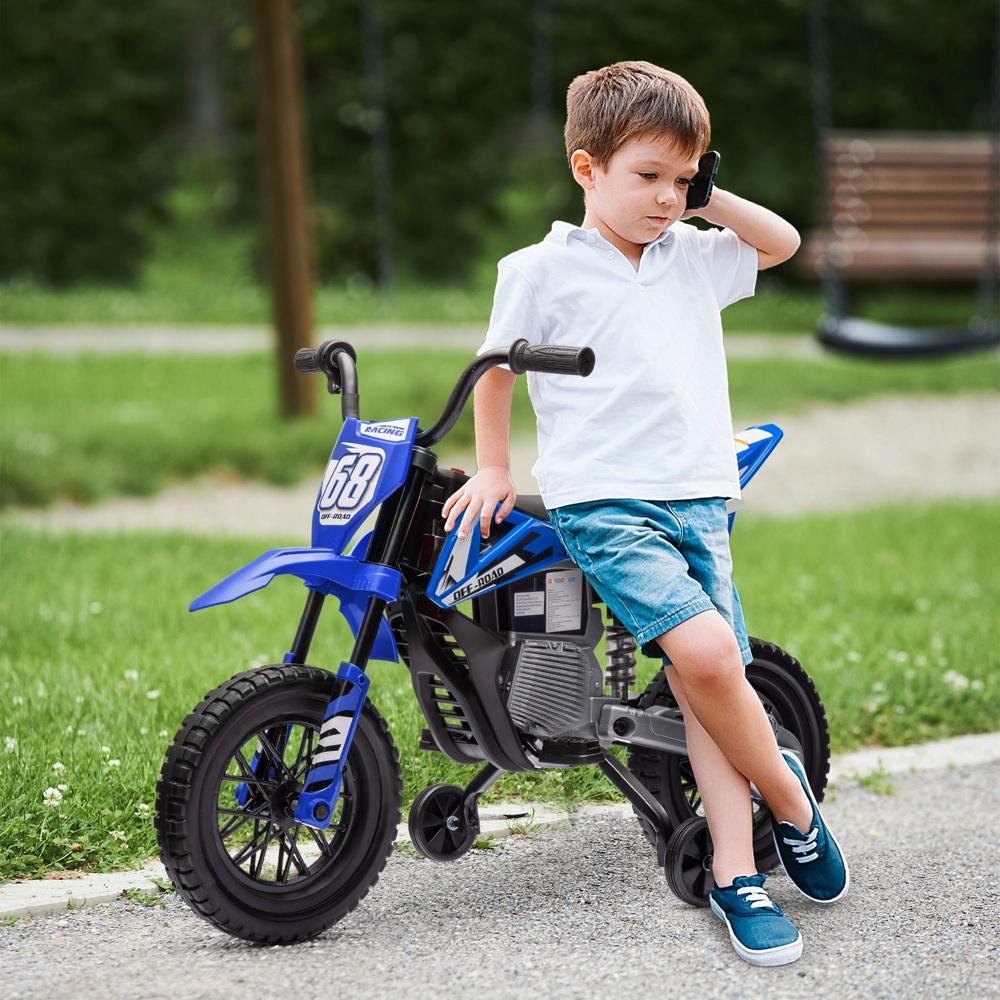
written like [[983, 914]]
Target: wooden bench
[[907, 205]]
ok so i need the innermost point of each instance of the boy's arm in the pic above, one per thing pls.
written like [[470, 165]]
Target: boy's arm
[[492, 403], [775, 239], [492, 483]]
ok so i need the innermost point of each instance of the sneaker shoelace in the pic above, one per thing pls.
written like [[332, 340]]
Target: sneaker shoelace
[[805, 847], [756, 897]]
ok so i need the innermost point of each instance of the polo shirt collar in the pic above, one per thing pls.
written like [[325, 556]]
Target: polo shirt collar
[[562, 232]]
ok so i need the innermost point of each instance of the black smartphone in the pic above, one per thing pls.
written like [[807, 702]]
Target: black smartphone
[[700, 191]]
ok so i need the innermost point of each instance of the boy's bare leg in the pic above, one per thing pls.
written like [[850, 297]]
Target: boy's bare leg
[[725, 794], [707, 658]]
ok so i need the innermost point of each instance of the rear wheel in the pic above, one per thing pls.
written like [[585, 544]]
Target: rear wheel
[[225, 806], [790, 699]]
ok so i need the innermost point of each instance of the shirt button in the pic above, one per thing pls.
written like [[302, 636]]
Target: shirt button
[[591, 239], [611, 255]]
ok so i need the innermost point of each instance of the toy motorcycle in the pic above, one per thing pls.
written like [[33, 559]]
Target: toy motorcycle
[[279, 798]]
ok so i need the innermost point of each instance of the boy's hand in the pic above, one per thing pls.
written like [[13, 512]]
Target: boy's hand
[[478, 497]]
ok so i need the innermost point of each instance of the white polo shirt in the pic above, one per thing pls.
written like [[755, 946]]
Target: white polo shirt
[[652, 421]]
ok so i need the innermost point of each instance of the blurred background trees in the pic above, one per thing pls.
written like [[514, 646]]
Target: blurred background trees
[[433, 130]]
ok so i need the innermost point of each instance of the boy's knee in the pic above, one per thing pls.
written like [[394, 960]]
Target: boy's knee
[[704, 651]]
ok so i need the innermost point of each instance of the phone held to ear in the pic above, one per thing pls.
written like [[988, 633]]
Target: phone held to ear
[[700, 190]]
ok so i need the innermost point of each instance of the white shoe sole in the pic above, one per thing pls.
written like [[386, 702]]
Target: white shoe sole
[[783, 954], [829, 832]]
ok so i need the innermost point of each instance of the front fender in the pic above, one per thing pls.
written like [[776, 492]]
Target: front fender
[[349, 579]]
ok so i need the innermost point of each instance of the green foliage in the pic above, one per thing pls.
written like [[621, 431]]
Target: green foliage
[[474, 107], [91, 90]]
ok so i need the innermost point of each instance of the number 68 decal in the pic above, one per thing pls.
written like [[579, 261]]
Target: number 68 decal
[[348, 479]]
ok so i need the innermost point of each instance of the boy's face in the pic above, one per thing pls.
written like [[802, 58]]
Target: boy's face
[[641, 191]]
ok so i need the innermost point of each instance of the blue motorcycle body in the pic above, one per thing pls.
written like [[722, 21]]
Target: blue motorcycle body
[[369, 462]]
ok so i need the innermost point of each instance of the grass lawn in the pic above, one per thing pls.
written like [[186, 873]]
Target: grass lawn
[[892, 611], [93, 426], [180, 295]]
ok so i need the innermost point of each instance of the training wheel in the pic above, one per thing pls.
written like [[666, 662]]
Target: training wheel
[[688, 864], [440, 827]]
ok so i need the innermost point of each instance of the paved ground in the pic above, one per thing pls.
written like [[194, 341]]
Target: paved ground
[[581, 911]]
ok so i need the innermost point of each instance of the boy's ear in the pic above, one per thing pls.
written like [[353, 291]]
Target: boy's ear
[[582, 165]]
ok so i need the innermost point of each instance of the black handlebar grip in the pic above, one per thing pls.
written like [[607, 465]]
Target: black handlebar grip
[[525, 357], [307, 360]]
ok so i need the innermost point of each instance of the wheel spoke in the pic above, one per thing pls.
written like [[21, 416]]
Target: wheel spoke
[[249, 847], [295, 854], [248, 775], [275, 757], [321, 842], [305, 743], [257, 865]]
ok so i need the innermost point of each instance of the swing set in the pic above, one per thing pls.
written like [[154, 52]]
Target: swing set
[[921, 206]]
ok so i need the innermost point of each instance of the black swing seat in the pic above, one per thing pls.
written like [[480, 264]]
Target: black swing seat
[[911, 206], [851, 335]]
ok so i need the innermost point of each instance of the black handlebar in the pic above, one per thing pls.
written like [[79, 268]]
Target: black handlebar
[[336, 359], [525, 357]]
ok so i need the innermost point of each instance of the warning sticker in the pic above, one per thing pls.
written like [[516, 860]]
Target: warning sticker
[[563, 593], [529, 603]]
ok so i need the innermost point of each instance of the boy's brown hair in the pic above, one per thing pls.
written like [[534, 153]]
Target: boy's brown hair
[[607, 107]]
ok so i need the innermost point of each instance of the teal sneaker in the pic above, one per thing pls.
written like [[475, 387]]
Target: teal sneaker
[[760, 932], [813, 860]]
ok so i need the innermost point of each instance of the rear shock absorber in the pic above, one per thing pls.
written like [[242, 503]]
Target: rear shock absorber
[[620, 670]]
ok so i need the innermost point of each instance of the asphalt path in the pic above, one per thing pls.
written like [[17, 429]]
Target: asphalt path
[[580, 911]]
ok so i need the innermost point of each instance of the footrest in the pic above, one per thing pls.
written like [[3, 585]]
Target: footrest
[[427, 741]]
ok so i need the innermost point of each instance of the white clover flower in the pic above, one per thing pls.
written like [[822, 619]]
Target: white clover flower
[[17, 700], [977, 685], [878, 686], [163, 734], [58, 767], [955, 680], [116, 834], [40, 691], [114, 762], [63, 788], [9, 744], [105, 750], [153, 695], [132, 675], [143, 730], [52, 797], [854, 656], [68, 730], [142, 810]]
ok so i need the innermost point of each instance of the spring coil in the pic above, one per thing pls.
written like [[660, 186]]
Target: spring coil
[[619, 674]]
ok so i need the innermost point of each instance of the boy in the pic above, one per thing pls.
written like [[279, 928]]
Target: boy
[[636, 461]]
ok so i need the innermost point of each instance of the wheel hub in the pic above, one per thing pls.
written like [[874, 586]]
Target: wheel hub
[[282, 805]]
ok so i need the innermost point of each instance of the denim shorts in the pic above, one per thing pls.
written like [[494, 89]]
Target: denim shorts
[[655, 563]]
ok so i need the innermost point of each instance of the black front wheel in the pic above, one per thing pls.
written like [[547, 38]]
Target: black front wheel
[[226, 798]]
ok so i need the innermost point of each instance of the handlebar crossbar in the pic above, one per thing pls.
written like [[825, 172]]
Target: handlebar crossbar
[[337, 360]]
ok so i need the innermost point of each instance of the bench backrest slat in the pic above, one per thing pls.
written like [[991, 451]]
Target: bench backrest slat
[[908, 205]]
